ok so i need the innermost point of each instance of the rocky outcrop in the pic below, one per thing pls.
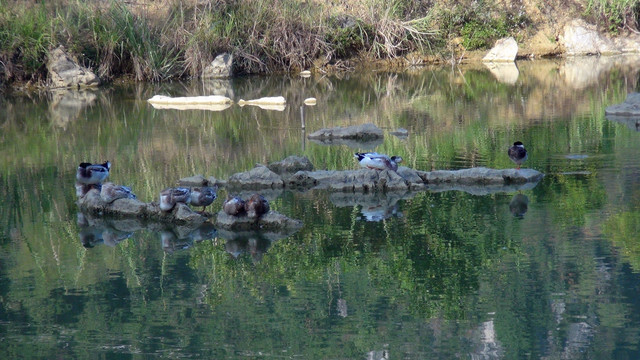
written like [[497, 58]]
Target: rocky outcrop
[[581, 38], [220, 68], [64, 72], [92, 204], [366, 180], [290, 165], [505, 50]]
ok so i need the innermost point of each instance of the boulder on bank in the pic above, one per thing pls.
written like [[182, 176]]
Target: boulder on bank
[[505, 50], [220, 68], [360, 132], [64, 72], [91, 203]]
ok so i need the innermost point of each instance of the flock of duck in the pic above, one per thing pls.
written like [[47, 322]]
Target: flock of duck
[[90, 176]]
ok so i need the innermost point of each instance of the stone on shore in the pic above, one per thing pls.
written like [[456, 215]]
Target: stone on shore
[[220, 68], [505, 50], [64, 72]]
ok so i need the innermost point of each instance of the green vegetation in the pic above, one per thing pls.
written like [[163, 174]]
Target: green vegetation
[[155, 41]]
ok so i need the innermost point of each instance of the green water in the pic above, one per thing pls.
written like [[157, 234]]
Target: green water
[[551, 271]]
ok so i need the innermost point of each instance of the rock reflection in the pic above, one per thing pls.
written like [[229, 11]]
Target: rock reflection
[[519, 205], [504, 72], [370, 144], [632, 122], [111, 232], [66, 105], [254, 243], [373, 206]]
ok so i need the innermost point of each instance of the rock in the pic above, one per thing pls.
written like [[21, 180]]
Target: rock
[[193, 181], [256, 178], [400, 133], [505, 50], [271, 221], [630, 106], [580, 38], [482, 176], [360, 132], [65, 72], [220, 67], [359, 144], [92, 204], [290, 165]]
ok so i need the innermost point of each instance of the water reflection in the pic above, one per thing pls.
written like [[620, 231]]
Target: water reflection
[[373, 206], [96, 230], [67, 106], [631, 122], [505, 72], [254, 243], [519, 205]]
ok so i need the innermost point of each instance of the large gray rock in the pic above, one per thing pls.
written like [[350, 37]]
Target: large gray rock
[[65, 72], [505, 50], [257, 178], [361, 132], [630, 107], [220, 68]]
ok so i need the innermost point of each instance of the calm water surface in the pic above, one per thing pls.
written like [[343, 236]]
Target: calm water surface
[[546, 272]]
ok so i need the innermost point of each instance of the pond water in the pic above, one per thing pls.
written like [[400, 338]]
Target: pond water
[[547, 272]]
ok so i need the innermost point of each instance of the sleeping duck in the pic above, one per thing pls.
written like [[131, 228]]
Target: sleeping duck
[[111, 192], [517, 153], [203, 196], [233, 206], [256, 206], [373, 160], [170, 196], [88, 173]]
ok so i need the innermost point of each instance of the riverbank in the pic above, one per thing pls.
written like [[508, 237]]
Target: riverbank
[[156, 41]]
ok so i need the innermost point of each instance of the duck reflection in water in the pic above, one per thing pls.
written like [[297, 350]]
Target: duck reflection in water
[[254, 243], [519, 205], [94, 231], [373, 206]]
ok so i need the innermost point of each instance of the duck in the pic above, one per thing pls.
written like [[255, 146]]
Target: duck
[[517, 153], [169, 197], [203, 196], [233, 206], [373, 160], [111, 192], [88, 173], [83, 189], [256, 206]]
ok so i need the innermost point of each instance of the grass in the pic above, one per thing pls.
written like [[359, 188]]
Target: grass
[[177, 39]]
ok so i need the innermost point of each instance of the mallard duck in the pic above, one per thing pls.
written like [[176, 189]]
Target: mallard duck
[[170, 196], [517, 153], [111, 192], [256, 206], [203, 196], [373, 160], [233, 206], [88, 173]]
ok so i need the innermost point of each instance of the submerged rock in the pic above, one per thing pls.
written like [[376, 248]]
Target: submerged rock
[[360, 132], [630, 107]]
